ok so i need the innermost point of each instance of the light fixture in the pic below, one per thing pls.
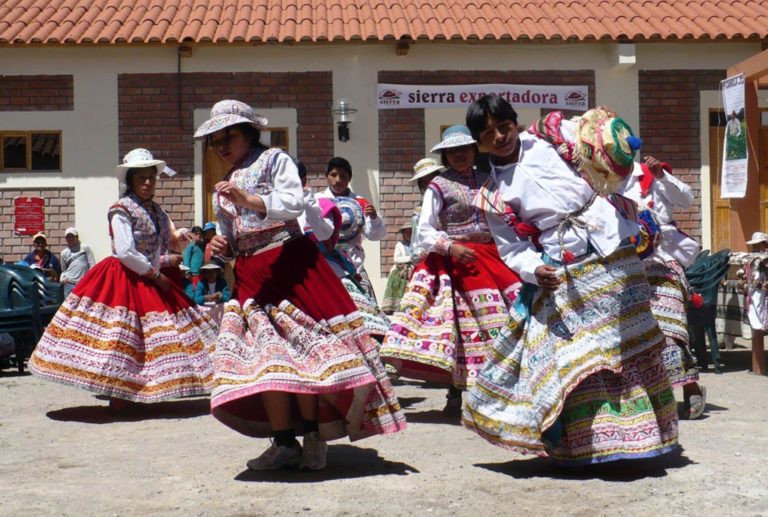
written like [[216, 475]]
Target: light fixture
[[344, 113]]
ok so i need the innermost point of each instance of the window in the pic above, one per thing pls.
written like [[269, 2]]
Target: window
[[276, 137], [30, 151]]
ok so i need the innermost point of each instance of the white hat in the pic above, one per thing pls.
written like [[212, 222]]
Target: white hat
[[228, 113], [137, 159], [210, 265], [454, 136], [183, 268], [758, 237], [71, 231], [425, 167]]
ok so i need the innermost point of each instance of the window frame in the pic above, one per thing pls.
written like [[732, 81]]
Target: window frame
[[28, 158]]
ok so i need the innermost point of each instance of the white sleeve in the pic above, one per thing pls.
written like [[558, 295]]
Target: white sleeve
[[427, 232], [520, 255], [321, 227], [286, 199], [401, 254], [675, 191], [125, 248], [374, 229], [226, 231]]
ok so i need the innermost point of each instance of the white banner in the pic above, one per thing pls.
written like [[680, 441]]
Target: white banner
[[402, 96], [733, 182]]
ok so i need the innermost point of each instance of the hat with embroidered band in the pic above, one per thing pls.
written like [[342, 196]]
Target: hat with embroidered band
[[425, 167], [228, 113], [138, 159], [606, 147], [757, 238], [454, 136]]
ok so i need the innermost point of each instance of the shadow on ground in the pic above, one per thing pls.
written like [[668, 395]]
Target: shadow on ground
[[344, 462], [407, 402], [618, 471], [160, 410], [432, 416]]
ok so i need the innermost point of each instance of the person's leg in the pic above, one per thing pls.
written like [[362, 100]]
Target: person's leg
[[315, 450], [285, 450]]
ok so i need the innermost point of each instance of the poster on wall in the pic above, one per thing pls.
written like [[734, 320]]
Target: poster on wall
[[405, 96], [28, 215], [734, 176]]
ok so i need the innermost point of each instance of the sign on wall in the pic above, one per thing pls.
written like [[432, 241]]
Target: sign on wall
[[734, 179], [28, 215], [403, 96]]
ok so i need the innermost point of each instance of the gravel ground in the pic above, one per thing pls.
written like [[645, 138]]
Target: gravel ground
[[64, 454]]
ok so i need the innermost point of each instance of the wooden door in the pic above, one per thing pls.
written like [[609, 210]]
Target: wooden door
[[720, 209], [214, 170]]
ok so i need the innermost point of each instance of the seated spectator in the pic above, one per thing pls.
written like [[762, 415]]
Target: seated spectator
[[76, 260], [209, 231], [42, 258], [194, 252], [212, 288]]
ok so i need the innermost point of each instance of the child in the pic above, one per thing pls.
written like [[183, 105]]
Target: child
[[401, 271], [212, 288]]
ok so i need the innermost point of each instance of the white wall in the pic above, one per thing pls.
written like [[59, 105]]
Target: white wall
[[90, 132]]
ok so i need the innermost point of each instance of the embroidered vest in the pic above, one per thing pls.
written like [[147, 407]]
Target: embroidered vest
[[253, 233], [149, 222], [459, 216]]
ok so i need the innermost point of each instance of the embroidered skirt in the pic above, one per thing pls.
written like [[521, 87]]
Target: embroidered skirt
[[396, 284], [668, 304], [117, 334], [374, 319], [293, 328], [580, 379], [449, 316]]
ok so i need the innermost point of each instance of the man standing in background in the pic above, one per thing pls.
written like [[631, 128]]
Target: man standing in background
[[76, 260]]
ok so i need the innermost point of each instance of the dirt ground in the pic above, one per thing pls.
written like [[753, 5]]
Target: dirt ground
[[64, 454]]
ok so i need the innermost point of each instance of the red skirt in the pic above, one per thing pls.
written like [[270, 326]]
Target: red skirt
[[292, 327], [117, 334], [449, 317]]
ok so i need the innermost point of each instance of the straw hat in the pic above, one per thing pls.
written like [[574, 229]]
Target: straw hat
[[137, 159], [757, 238], [228, 113], [425, 167], [454, 136]]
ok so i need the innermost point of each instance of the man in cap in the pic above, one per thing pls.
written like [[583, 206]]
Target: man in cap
[[76, 260], [42, 258]]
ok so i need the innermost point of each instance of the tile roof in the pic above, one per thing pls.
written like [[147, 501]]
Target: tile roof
[[285, 21]]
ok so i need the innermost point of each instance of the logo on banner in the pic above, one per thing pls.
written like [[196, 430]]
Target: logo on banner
[[390, 97], [576, 99]]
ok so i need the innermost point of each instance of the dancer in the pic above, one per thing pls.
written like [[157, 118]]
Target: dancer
[[458, 298], [126, 331], [577, 372], [657, 193], [293, 355], [361, 218]]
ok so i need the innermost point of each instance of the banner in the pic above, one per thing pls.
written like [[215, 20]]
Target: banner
[[403, 96], [734, 168]]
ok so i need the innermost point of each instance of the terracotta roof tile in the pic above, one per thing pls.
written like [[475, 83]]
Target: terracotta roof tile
[[224, 21]]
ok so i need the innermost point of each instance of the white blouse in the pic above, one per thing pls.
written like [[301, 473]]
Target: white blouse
[[312, 218], [542, 190]]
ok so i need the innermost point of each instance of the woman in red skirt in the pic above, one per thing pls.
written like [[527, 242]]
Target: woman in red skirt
[[126, 330], [459, 296], [293, 356]]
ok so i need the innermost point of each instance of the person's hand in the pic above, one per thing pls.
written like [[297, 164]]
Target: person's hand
[[163, 283], [187, 236], [546, 277], [219, 245], [370, 211], [229, 189], [175, 260], [655, 165], [462, 253]]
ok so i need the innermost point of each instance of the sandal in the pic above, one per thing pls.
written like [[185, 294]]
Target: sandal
[[698, 404]]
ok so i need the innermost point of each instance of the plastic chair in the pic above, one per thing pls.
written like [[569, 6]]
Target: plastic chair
[[51, 293], [19, 313]]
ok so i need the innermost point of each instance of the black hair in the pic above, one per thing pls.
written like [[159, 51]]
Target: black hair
[[488, 105], [444, 157], [302, 171], [129, 181], [252, 134], [197, 230], [341, 163]]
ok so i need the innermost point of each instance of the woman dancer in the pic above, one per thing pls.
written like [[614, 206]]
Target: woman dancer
[[458, 298], [126, 331], [293, 355]]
